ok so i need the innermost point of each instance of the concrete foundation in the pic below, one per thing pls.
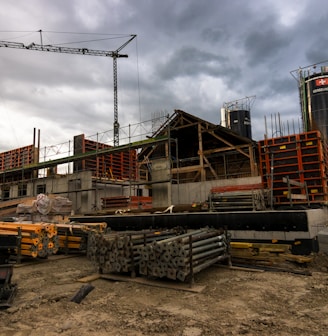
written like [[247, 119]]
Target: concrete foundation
[[323, 240], [299, 228]]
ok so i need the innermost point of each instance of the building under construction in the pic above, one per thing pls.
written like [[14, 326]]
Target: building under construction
[[177, 164], [186, 172]]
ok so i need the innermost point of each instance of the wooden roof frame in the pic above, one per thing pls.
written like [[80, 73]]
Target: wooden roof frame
[[224, 140]]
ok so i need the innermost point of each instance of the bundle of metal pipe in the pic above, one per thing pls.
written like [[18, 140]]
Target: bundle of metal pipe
[[120, 251], [34, 240], [182, 256], [74, 237]]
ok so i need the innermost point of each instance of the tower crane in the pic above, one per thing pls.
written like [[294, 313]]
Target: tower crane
[[82, 51]]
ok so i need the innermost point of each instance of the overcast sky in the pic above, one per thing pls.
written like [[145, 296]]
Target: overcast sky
[[190, 55]]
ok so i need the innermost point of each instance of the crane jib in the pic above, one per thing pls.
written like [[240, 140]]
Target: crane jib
[[81, 51], [60, 49]]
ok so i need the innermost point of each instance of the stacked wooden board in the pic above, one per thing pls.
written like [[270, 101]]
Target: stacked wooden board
[[265, 253], [9, 208]]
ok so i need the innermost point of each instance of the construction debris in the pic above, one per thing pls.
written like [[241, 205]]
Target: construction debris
[[82, 293]]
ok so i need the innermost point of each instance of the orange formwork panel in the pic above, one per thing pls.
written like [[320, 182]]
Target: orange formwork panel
[[299, 157], [18, 157], [118, 165]]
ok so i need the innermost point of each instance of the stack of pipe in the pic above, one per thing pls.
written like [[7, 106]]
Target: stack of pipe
[[34, 240], [182, 256], [158, 254], [74, 237], [120, 251]]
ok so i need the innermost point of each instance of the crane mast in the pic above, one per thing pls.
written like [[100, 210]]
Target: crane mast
[[87, 52]]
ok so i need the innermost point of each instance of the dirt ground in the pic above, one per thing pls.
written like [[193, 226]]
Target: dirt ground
[[232, 302]]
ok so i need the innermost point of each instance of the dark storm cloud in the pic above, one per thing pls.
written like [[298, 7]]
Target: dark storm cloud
[[317, 50], [263, 46], [190, 61], [193, 55]]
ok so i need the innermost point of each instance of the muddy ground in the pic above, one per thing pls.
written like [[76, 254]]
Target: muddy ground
[[231, 302]]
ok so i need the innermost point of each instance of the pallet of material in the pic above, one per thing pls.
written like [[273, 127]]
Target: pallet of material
[[168, 253], [131, 202], [9, 207], [272, 253], [45, 205], [74, 237], [33, 240], [141, 202], [115, 202]]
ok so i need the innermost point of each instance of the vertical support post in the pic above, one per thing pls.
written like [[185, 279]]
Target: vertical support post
[[190, 262], [66, 242], [201, 155], [133, 268], [271, 182], [69, 154], [252, 161], [116, 124], [289, 192], [19, 245]]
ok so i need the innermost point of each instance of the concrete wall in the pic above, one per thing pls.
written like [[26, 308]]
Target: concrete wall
[[188, 193], [79, 188], [318, 220], [86, 195], [161, 191]]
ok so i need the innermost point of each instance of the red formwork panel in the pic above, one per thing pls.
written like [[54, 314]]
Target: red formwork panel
[[298, 157], [131, 202], [236, 187], [19, 157], [118, 165]]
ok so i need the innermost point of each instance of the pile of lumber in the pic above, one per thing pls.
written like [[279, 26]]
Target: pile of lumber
[[34, 240], [264, 253], [167, 253], [9, 208]]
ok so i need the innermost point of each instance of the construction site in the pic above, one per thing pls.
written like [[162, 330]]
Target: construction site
[[144, 226]]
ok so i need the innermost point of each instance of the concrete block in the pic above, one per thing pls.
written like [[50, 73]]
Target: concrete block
[[323, 240]]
